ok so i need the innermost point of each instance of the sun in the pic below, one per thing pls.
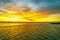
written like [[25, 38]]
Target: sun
[[14, 19]]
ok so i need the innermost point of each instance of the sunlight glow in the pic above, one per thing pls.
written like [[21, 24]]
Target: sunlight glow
[[28, 15]]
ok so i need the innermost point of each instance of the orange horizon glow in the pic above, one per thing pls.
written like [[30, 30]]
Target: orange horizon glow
[[27, 15]]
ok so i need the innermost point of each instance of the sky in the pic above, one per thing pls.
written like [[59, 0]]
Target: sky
[[49, 5], [34, 4]]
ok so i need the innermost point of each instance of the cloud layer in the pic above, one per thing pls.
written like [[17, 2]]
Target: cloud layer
[[35, 4]]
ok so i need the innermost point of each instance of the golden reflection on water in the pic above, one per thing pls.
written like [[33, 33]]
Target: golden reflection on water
[[21, 31]]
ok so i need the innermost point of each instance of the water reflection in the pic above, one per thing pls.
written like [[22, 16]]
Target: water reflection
[[29, 31]]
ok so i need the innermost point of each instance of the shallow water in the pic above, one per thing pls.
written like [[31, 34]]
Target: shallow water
[[29, 31]]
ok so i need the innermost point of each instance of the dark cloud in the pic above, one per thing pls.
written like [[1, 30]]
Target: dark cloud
[[45, 4]]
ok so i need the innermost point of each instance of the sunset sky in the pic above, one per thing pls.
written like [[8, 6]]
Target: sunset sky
[[53, 6], [35, 4]]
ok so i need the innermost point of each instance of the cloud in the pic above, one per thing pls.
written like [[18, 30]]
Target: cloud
[[44, 4], [36, 4]]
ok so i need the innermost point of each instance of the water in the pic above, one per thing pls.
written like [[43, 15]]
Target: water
[[29, 31]]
